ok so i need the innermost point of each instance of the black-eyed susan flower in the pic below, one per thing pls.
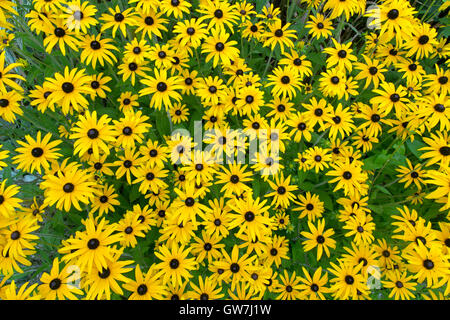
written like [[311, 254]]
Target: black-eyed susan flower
[[285, 81], [253, 30], [219, 48], [68, 189], [411, 174], [342, 8], [154, 153], [190, 81], [36, 154], [161, 55], [217, 217], [68, 89], [341, 122], [210, 89], [436, 109], [219, 14], [102, 283], [297, 62], [8, 202], [201, 168], [190, 32], [441, 180], [340, 56], [361, 227], [250, 217], [150, 22], [24, 292], [317, 158], [234, 179], [40, 98], [332, 83], [427, 263], [320, 27], [179, 113], [92, 246], [128, 164], [319, 238], [388, 256], [80, 16], [288, 287], [92, 132], [301, 128], [371, 70], [105, 199], [309, 206], [249, 100], [173, 231], [438, 82], [9, 263], [131, 70], [127, 101], [278, 34], [136, 50], [422, 41], [187, 206], [207, 247], [59, 283], [207, 289], [313, 287], [175, 264], [275, 250], [58, 33], [347, 281], [282, 191], [175, 7], [118, 19], [98, 83], [401, 285], [146, 286], [163, 89], [130, 129], [180, 148], [234, 265], [390, 97], [374, 118], [361, 254], [130, 228], [20, 237], [395, 19], [7, 77], [363, 141], [150, 178], [437, 149]]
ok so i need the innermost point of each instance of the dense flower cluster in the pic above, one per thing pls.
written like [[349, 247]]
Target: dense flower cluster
[[104, 196]]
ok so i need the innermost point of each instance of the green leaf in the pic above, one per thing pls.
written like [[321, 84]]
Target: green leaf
[[259, 5], [383, 189], [297, 251], [134, 193], [376, 208], [375, 161], [301, 177], [162, 123], [324, 196], [415, 146], [307, 186]]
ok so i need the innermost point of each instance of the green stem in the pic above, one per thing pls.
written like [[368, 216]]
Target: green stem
[[426, 12], [267, 64], [385, 164], [320, 137], [291, 10]]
